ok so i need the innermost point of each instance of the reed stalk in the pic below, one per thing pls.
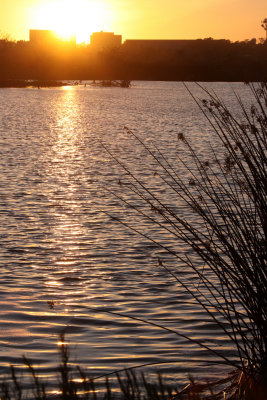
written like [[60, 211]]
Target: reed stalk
[[74, 384]]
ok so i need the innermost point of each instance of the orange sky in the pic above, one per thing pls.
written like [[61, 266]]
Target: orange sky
[[140, 19]]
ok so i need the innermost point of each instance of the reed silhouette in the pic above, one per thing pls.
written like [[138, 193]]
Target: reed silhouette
[[73, 384], [225, 195]]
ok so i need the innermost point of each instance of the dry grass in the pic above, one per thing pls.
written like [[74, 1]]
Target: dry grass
[[73, 384]]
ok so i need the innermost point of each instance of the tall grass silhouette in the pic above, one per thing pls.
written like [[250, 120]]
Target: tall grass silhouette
[[225, 226], [74, 384]]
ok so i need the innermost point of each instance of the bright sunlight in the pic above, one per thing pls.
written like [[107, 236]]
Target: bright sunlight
[[73, 17]]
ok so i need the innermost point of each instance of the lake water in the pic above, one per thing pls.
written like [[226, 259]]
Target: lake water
[[61, 255]]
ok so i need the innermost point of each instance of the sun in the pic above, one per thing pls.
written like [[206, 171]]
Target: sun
[[73, 17]]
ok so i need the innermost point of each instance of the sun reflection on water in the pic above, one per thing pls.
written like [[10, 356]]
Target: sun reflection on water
[[63, 185]]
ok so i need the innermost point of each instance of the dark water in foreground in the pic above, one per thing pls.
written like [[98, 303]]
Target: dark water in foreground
[[60, 254]]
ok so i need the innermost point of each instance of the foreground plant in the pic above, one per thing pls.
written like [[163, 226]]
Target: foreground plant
[[74, 384], [226, 227]]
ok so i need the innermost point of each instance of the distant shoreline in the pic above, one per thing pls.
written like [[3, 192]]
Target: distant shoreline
[[22, 83], [204, 60]]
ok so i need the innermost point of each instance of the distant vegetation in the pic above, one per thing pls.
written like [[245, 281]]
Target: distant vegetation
[[198, 60], [41, 83], [22, 83]]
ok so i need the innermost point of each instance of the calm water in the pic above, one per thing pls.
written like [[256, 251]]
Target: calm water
[[60, 254]]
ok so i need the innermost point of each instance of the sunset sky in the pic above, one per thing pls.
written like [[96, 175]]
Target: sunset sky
[[140, 19]]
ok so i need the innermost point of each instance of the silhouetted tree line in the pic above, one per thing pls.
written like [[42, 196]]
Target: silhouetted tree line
[[198, 60]]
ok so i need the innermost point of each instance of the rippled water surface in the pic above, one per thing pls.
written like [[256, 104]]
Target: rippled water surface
[[61, 255]]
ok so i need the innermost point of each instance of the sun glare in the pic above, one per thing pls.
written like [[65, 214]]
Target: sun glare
[[73, 17]]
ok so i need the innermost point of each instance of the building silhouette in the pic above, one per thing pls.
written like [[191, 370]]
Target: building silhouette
[[105, 40], [157, 44], [42, 37], [45, 37]]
